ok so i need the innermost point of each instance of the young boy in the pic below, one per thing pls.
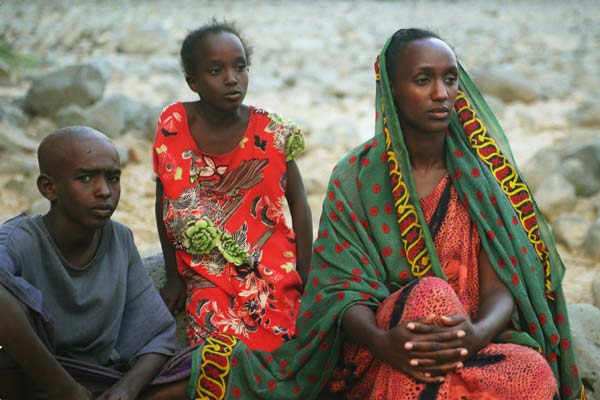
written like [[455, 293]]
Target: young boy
[[72, 284]]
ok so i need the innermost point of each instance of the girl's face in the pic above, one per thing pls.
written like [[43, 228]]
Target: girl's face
[[424, 86], [221, 74]]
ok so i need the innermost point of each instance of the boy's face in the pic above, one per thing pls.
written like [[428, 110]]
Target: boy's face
[[86, 187]]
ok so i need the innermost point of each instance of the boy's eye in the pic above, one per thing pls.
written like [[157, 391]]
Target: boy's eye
[[114, 178], [241, 67], [213, 71], [85, 178]]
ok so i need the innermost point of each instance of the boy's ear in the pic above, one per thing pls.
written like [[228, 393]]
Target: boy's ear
[[47, 186]]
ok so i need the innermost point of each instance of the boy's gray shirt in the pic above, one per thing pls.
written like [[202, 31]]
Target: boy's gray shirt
[[108, 307]]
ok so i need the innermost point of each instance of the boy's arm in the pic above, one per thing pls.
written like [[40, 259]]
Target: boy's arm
[[173, 293], [301, 218], [21, 342]]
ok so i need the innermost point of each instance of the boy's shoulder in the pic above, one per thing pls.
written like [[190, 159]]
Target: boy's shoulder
[[19, 228]]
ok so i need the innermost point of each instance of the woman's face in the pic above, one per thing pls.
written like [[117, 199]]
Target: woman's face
[[424, 86]]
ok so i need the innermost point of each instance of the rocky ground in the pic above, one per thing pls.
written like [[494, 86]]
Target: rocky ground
[[537, 62], [114, 64]]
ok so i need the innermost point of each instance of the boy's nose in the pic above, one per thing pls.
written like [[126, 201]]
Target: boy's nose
[[103, 188]]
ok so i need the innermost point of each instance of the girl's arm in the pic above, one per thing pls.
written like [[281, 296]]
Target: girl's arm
[[173, 293], [301, 218]]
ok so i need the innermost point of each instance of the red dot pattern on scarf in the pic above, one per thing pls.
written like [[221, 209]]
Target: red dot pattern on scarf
[[533, 327], [352, 160], [515, 279], [376, 188], [475, 172], [385, 228]]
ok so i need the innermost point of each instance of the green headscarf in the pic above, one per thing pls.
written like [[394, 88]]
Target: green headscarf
[[361, 255]]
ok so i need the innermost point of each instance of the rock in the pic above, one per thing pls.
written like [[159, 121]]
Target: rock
[[148, 39], [13, 115], [109, 116], [24, 185], [5, 72], [581, 176], [123, 153], [591, 245], [39, 207], [340, 134], [155, 266], [554, 196], [18, 163], [12, 139], [39, 127], [585, 332], [587, 114], [506, 84], [166, 65], [570, 230], [71, 115], [582, 168], [544, 163], [596, 288], [75, 84]]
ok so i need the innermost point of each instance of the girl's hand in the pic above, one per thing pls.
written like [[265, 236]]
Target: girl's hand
[[173, 294]]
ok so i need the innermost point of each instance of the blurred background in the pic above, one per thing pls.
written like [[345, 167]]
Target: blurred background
[[114, 65]]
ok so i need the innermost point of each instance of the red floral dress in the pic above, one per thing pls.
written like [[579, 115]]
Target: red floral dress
[[224, 215]]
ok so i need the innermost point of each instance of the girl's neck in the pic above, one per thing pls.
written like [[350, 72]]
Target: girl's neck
[[216, 116]]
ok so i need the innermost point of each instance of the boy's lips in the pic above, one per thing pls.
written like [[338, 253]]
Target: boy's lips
[[102, 211]]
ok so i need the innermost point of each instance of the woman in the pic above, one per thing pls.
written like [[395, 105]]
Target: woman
[[434, 275]]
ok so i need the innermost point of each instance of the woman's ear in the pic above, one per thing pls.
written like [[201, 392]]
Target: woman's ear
[[47, 186]]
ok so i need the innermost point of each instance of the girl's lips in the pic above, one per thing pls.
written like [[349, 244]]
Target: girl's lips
[[233, 95]]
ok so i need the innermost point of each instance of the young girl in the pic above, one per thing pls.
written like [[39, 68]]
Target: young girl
[[224, 170]]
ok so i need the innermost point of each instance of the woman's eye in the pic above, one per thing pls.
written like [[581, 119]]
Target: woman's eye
[[421, 81], [451, 80]]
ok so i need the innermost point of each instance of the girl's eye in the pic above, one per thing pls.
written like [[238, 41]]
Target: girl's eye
[[213, 71]]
